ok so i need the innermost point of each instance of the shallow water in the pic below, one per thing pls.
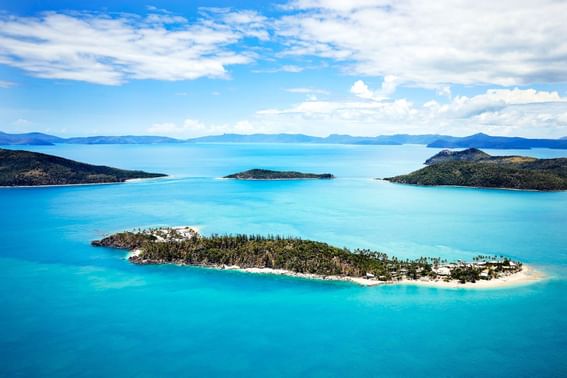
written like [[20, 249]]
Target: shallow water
[[72, 310]]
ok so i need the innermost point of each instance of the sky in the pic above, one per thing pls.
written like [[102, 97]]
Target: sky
[[318, 67]]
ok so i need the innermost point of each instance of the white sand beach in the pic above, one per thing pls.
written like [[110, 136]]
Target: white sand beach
[[526, 276]]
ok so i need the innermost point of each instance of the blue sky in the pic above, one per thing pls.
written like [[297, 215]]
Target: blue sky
[[359, 67]]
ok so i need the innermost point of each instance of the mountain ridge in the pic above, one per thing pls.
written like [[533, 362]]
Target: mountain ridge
[[479, 140], [475, 168], [26, 168]]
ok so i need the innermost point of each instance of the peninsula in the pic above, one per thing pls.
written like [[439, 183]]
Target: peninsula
[[305, 258], [266, 174], [475, 168], [25, 168]]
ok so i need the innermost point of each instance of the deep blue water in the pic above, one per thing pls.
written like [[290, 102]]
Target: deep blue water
[[68, 309]]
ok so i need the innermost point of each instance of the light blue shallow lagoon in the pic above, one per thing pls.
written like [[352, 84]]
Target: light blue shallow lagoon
[[70, 310]]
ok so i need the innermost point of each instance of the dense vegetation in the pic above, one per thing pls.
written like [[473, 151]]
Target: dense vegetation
[[276, 252], [266, 174], [470, 154], [476, 168], [24, 168]]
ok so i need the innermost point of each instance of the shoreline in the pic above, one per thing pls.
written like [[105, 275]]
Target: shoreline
[[133, 180], [526, 276], [472, 187], [277, 179]]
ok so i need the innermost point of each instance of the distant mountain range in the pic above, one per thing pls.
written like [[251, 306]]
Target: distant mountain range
[[40, 139], [431, 140]]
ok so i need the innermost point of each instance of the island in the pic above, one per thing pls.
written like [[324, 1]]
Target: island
[[475, 168], [25, 168], [307, 259], [266, 174]]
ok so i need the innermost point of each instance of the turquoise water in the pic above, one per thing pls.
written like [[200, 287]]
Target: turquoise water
[[67, 309]]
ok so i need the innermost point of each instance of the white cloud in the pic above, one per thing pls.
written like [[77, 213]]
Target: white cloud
[[497, 111], [307, 91], [285, 68], [433, 44], [526, 112], [360, 89], [191, 128], [5, 84], [107, 49], [444, 91], [497, 99]]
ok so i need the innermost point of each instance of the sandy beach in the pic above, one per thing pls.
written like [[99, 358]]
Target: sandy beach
[[282, 272], [526, 276]]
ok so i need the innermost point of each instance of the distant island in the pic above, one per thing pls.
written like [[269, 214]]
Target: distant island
[[266, 174], [482, 140], [473, 167], [430, 140], [41, 139], [25, 168], [306, 258]]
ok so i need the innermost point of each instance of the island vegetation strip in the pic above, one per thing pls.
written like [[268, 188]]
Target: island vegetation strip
[[297, 257]]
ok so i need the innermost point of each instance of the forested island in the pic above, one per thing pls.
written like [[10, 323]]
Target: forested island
[[475, 168], [299, 257], [25, 168], [266, 174]]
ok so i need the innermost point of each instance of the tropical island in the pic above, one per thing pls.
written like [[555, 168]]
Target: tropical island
[[475, 168], [266, 174], [307, 259], [25, 168]]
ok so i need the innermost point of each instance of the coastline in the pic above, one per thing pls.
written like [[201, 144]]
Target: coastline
[[472, 187], [130, 181], [526, 276], [276, 179]]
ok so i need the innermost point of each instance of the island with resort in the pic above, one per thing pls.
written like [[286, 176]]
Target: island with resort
[[297, 257], [26, 168], [475, 168], [266, 174]]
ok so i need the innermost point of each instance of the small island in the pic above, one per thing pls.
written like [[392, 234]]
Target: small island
[[475, 168], [25, 168], [266, 174], [308, 259]]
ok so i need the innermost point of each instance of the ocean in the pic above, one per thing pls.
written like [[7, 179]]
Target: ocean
[[69, 309]]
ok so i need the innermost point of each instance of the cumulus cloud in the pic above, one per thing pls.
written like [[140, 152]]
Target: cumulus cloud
[[433, 44], [360, 89], [526, 112], [498, 111], [108, 49]]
